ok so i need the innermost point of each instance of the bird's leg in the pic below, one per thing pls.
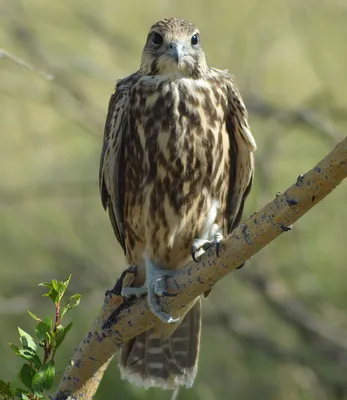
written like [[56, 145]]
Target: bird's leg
[[201, 245], [128, 292], [156, 287]]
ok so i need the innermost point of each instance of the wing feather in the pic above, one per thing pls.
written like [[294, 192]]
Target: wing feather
[[111, 173], [242, 147]]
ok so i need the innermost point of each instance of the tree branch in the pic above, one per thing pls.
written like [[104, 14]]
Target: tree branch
[[119, 322]]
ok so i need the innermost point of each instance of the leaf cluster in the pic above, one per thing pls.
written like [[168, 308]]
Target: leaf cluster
[[39, 351]]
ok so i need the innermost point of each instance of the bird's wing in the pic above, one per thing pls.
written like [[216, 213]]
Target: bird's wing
[[242, 146], [111, 173]]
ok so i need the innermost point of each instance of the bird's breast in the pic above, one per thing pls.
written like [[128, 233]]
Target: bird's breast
[[178, 120], [179, 129]]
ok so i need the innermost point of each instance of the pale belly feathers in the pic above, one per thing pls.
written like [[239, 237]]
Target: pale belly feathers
[[184, 172]]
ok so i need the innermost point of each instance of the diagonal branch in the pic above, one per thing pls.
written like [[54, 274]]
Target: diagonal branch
[[119, 322]]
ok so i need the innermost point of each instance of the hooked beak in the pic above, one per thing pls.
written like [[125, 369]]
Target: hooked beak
[[177, 51]]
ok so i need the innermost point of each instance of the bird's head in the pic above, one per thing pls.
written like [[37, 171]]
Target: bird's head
[[173, 47]]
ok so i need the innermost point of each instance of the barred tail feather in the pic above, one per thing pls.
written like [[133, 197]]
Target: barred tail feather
[[149, 361]]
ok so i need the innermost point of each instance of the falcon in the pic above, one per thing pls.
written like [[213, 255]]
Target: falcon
[[176, 168]]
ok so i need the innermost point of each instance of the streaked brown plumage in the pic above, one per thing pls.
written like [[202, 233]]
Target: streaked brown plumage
[[177, 161]]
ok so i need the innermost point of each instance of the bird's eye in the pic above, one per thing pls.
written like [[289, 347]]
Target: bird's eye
[[157, 39], [195, 40]]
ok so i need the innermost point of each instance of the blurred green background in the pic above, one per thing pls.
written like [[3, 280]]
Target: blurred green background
[[275, 329]]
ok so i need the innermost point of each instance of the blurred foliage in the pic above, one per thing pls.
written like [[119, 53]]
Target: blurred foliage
[[277, 328]]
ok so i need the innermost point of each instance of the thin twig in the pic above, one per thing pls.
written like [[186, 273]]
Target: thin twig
[[24, 64]]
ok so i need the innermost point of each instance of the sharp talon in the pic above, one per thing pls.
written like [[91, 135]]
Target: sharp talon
[[193, 256], [158, 312], [217, 248], [168, 294], [300, 180], [195, 249], [119, 284], [218, 239], [173, 320], [198, 245], [240, 266], [285, 228]]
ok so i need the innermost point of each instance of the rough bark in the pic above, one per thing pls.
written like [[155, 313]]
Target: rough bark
[[119, 322]]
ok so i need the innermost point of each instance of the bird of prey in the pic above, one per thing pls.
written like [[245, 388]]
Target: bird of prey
[[176, 168]]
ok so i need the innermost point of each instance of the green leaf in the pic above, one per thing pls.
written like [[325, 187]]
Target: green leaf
[[67, 282], [52, 294], [63, 286], [32, 315], [43, 379], [43, 329], [26, 375], [61, 333], [26, 339], [57, 289], [6, 389], [22, 394], [73, 302], [60, 287], [56, 285], [14, 348], [49, 322], [28, 354], [46, 284]]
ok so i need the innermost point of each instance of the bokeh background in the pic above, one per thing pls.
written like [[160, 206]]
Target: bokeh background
[[275, 329]]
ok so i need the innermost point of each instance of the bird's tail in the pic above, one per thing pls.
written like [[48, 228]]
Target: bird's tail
[[149, 360]]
